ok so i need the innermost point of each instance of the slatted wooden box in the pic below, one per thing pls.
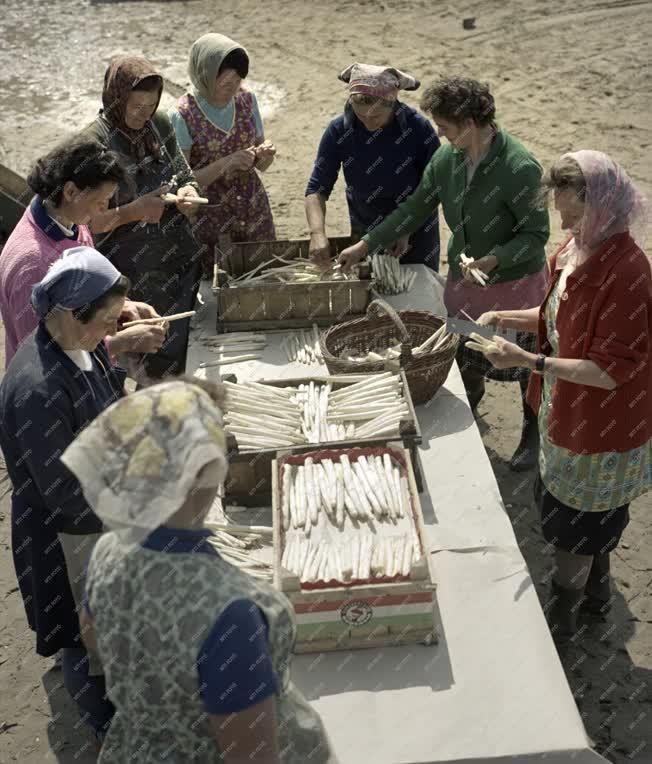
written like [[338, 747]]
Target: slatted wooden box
[[283, 306], [379, 612], [249, 480]]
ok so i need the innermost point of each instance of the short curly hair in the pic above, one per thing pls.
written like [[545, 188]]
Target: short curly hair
[[457, 99]]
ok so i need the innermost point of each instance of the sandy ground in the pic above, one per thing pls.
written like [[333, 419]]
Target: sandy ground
[[565, 76]]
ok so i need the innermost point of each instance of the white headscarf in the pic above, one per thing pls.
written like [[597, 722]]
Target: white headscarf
[[138, 461]]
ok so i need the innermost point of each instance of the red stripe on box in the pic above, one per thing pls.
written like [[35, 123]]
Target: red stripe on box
[[323, 606]]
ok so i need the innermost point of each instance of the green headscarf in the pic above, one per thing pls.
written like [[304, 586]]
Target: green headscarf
[[206, 56]]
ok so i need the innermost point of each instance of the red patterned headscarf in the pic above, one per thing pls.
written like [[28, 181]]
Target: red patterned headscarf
[[122, 76], [377, 81]]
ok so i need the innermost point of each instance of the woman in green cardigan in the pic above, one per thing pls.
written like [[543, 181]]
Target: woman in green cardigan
[[486, 183]]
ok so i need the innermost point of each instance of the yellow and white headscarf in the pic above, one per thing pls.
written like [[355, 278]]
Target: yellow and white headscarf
[[138, 461]]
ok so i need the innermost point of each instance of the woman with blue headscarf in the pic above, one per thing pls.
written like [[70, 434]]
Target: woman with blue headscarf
[[59, 380]]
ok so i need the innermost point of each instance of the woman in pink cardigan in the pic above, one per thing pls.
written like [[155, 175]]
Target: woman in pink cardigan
[[72, 183]]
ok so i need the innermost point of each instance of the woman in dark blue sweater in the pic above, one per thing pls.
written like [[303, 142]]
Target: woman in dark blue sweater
[[60, 379], [383, 146]]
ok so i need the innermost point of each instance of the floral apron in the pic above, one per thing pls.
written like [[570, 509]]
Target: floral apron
[[240, 207]]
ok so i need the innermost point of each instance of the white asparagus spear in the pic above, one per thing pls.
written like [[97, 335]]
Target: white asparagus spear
[[313, 492], [408, 554], [357, 492], [384, 484], [285, 502], [339, 495], [228, 361], [301, 496], [364, 486]]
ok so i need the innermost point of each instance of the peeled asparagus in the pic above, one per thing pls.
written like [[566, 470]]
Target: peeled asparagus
[[390, 276], [266, 416]]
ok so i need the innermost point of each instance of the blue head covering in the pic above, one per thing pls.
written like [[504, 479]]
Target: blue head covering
[[79, 276]]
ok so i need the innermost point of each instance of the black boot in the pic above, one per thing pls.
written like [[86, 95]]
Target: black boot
[[527, 454], [598, 597], [561, 613], [474, 386]]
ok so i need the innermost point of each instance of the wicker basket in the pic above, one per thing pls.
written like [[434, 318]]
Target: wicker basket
[[425, 373]]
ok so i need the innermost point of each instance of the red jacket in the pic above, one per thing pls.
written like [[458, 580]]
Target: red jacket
[[605, 315]]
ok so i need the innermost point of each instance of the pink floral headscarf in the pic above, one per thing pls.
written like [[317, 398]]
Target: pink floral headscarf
[[613, 204]]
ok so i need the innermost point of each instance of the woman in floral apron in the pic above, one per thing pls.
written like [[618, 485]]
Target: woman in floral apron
[[220, 131], [197, 653]]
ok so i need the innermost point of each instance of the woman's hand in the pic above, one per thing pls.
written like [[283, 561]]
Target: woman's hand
[[490, 318], [134, 311], [142, 338], [485, 264], [265, 154], [240, 161], [150, 207], [400, 247], [319, 249], [187, 207], [507, 354], [352, 255]]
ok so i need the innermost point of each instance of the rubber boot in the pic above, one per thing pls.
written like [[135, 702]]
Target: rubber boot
[[562, 613], [474, 386], [597, 592], [526, 455]]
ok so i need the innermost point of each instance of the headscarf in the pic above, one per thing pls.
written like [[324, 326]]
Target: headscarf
[[378, 81], [79, 276], [121, 77], [612, 202], [138, 461], [206, 56]]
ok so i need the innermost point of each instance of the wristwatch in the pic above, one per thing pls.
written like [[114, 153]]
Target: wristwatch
[[540, 363]]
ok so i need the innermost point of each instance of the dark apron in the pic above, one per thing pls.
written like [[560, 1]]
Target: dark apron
[[163, 262]]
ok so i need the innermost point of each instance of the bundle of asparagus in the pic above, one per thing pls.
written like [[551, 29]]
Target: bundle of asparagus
[[303, 346], [265, 416], [361, 557], [389, 276], [434, 342], [235, 542], [291, 271], [360, 500], [234, 348], [480, 276]]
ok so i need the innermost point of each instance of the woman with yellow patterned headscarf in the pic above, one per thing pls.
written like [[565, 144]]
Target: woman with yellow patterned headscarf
[[195, 651]]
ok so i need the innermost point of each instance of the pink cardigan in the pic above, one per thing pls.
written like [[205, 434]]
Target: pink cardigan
[[24, 261]]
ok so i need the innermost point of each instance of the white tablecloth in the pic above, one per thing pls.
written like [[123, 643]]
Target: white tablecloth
[[493, 689]]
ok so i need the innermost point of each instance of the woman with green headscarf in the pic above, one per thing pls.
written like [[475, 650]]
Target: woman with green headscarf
[[220, 131], [196, 652]]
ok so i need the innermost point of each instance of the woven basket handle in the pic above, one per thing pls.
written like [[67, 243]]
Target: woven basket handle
[[378, 308]]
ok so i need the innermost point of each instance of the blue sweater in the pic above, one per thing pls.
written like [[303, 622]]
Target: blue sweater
[[381, 169]]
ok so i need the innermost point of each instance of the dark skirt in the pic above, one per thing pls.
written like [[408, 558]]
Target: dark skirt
[[579, 532], [476, 362], [43, 580]]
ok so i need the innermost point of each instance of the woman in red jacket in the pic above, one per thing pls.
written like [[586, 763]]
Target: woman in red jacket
[[593, 385]]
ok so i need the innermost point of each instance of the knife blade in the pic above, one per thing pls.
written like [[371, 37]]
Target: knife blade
[[460, 326]]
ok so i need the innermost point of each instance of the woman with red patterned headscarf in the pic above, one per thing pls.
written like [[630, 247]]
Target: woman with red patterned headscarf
[[593, 384]]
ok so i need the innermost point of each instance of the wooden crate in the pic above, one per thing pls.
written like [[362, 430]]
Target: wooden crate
[[249, 480], [283, 306], [374, 613]]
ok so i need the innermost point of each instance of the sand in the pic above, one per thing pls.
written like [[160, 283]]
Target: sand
[[565, 76]]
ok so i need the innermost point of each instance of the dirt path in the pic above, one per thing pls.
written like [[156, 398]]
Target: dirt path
[[565, 76]]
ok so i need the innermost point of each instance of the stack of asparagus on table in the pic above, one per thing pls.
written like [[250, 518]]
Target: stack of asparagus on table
[[266, 416]]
